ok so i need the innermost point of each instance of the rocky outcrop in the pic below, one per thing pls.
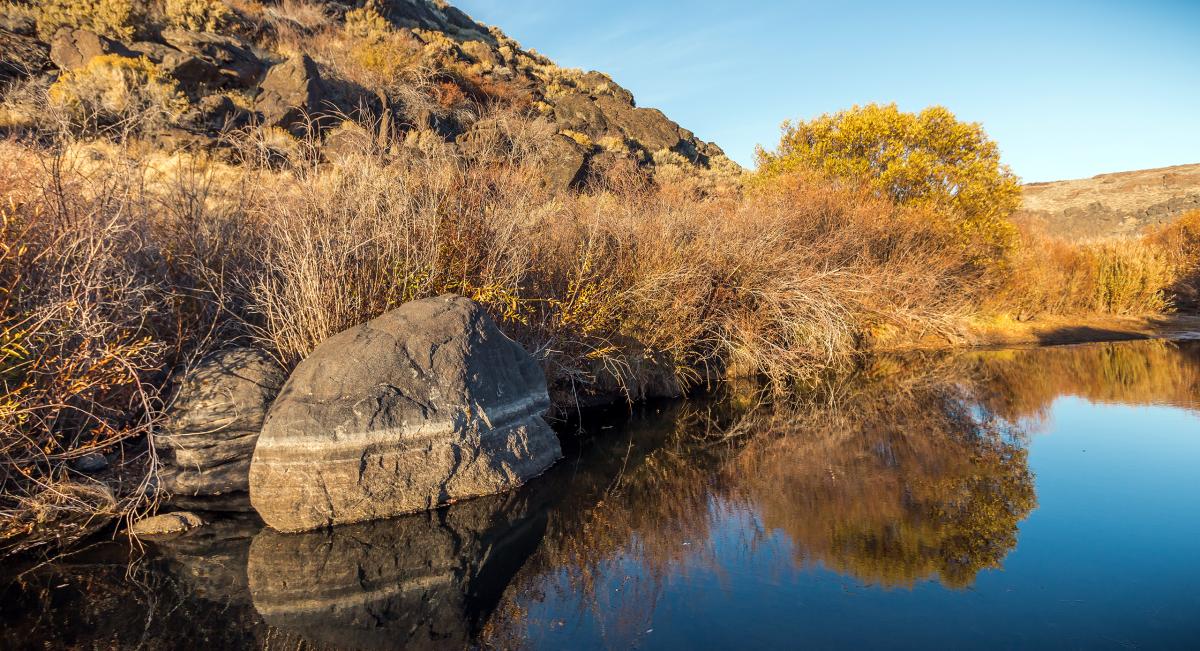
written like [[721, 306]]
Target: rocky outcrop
[[423, 406], [214, 422], [436, 16], [427, 581], [193, 73], [21, 56], [291, 93], [1126, 203], [235, 61], [73, 48]]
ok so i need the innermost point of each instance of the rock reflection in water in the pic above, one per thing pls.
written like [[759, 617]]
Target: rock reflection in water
[[427, 581], [911, 474]]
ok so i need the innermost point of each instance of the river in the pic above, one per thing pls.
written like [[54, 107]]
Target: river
[[1040, 498]]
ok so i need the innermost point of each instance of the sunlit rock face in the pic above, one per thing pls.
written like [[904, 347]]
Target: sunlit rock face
[[423, 581], [423, 406]]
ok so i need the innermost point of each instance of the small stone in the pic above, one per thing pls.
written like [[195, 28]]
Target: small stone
[[166, 524], [91, 463]]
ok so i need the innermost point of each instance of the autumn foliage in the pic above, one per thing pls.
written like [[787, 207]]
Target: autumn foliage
[[928, 159]]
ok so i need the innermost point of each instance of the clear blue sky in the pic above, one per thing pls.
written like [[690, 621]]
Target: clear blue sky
[[1069, 89]]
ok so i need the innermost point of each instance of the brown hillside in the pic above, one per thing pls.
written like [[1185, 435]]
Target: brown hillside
[[1125, 203]]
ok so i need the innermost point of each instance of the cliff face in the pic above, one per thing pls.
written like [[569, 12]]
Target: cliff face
[[421, 71], [1121, 204]]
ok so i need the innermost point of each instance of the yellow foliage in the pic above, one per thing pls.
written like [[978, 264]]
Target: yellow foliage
[[113, 18], [112, 88], [366, 23], [197, 15], [1130, 277], [581, 139], [926, 159], [383, 59]]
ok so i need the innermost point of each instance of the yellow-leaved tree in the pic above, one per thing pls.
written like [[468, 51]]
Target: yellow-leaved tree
[[928, 159]]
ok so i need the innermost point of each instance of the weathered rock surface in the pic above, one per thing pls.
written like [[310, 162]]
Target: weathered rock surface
[[214, 422], [427, 581], [423, 406], [234, 59], [21, 56], [73, 48], [166, 524], [193, 73], [291, 92], [565, 163]]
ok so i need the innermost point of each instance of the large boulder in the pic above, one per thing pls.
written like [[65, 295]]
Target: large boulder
[[423, 406], [649, 127], [564, 163], [214, 422], [579, 112], [291, 92]]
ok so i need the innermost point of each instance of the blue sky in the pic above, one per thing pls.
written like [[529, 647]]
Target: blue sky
[[1069, 89]]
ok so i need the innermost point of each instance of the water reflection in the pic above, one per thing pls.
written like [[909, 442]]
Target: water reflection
[[913, 472], [428, 581]]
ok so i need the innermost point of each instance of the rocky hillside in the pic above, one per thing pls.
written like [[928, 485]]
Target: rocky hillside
[[1126, 203], [418, 73]]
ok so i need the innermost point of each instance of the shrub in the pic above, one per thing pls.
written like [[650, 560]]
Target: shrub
[[18, 17], [1121, 276], [366, 23], [1131, 277], [113, 18], [197, 15], [115, 91], [383, 62], [580, 139], [1180, 242], [928, 158]]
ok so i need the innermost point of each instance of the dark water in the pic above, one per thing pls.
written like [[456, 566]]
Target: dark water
[[1020, 499]]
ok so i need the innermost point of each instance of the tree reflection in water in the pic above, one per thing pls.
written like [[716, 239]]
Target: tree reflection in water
[[913, 470]]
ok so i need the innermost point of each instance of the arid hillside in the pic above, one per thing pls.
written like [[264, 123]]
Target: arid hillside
[[1125, 203]]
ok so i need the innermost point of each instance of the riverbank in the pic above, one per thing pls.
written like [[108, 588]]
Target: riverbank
[[1061, 330]]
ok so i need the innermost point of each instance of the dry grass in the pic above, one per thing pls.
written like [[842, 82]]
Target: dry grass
[[118, 265], [1121, 276]]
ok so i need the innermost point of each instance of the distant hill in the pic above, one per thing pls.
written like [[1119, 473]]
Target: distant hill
[[1125, 203]]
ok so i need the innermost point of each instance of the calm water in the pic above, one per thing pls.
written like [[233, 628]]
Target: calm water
[[1019, 499]]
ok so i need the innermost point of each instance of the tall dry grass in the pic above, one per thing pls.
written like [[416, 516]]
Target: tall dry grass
[[1123, 276], [119, 264]]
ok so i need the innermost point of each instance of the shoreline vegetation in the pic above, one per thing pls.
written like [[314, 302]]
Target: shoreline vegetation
[[133, 242]]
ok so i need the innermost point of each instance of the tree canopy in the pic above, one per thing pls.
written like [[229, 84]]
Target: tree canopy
[[927, 159]]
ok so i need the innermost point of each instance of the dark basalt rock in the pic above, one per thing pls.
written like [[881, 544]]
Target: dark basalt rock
[[649, 127], [192, 72], [21, 56], [214, 422], [426, 405], [565, 163], [235, 61], [73, 48], [291, 93], [578, 112]]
